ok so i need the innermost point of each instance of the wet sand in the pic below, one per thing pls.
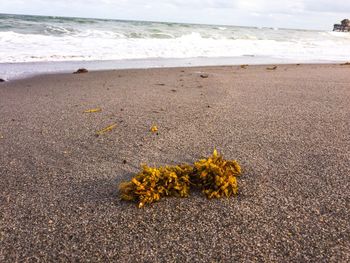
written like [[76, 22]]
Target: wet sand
[[289, 129]]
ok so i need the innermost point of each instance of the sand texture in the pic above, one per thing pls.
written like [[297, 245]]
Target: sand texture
[[289, 128]]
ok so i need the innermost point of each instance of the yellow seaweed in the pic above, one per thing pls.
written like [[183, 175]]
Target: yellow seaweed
[[215, 176], [154, 128], [152, 183], [93, 110], [107, 129]]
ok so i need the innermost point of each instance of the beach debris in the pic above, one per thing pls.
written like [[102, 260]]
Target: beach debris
[[152, 183], [174, 90], [1, 136], [80, 71], [204, 76], [214, 176], [2, 80], [271, 68], [107, 129], [298, 64], [244, 66], [160, 84], [154, 128], [345, 64], [93, 110]]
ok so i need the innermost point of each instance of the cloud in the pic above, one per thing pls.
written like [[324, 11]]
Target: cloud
[[328, 6], [272, 6]]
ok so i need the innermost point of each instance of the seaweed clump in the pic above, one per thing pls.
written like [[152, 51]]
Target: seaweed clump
[[214, 176], [151, 184]]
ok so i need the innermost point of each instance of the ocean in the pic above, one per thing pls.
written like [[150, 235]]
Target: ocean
[[39, 40]]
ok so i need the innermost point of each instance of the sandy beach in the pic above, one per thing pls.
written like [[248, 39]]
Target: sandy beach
[[289, 129]]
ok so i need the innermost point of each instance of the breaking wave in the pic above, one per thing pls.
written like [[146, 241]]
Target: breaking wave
[[31, 38]]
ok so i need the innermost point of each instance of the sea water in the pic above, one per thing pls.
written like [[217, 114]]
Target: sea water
[[38, 41]]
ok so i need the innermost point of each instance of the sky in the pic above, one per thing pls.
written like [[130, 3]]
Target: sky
[[305, 14]]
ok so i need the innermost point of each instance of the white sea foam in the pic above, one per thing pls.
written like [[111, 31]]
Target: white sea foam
[[106, 45]]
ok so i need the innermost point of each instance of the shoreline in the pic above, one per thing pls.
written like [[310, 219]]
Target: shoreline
[[287, 127], [23, 70]]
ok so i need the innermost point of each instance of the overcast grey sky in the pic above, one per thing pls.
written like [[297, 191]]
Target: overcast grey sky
[[312, 14]]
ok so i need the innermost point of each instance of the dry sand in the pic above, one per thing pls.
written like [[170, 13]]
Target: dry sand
[[289, 128]]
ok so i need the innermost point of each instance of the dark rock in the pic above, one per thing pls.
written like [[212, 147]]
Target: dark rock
[[343, 27], [2, 80], [271, 68], [204, 76], [81, 70], [124, 161], [345, 22]]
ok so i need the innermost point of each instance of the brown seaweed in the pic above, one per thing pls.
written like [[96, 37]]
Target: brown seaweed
[[81, 71], [215, 176], [151, 184], [271, 68]]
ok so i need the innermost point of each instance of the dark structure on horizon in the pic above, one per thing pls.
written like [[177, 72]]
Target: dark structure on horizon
[[343, 27]]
